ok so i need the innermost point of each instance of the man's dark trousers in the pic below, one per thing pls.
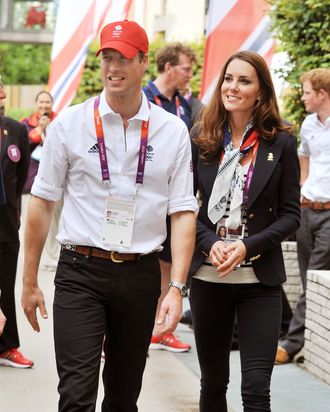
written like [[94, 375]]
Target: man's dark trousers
[[96, 297]]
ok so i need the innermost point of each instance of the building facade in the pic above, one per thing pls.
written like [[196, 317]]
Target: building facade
[[23, 21]]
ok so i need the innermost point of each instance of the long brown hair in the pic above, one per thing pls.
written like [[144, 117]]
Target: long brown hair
[[265, 118]]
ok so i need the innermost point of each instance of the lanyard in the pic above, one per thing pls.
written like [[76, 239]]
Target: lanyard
[[102, 149], [249, 175], [177, 104]]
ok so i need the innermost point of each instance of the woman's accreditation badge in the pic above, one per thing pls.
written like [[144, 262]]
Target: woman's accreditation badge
[[14, 153]]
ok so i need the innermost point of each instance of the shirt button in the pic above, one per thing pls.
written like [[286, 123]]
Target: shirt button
[[270, 209], [251, 216]]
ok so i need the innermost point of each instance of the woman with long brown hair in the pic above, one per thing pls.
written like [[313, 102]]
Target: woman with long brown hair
[[247, 172]]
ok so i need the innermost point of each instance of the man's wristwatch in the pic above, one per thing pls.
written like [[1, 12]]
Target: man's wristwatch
[[181, 286]]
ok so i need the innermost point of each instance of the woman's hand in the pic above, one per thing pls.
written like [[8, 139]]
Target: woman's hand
[[217, 254], [235, 254], [42, 125], [44, 121]]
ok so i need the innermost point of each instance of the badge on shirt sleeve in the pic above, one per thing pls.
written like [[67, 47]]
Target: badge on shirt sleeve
[[118, 222], [14, 153]]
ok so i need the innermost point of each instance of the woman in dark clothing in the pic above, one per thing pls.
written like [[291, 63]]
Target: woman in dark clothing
[[247, 171]]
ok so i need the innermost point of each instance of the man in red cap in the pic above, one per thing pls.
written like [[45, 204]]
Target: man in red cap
[[122, 164]]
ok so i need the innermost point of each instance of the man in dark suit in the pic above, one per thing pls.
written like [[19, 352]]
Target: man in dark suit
[[2, 202], [14, 160]]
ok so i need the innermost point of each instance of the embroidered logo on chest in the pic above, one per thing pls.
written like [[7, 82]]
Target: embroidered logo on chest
[[150, 153]]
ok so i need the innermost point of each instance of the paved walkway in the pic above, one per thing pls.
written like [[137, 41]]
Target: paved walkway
[[293, 389], [171, 381], [169, 385]]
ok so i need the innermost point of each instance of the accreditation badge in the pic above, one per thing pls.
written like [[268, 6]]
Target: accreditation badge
[[118, 222], [230, 235]]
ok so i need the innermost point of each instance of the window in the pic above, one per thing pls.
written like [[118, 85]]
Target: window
[[34, 15]]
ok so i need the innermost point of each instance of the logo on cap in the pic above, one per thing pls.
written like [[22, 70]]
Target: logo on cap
[[117, 32]]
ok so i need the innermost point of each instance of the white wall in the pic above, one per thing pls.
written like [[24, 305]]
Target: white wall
[[186, 20], [180, 20]]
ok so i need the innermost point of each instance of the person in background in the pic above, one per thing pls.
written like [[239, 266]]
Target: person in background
[[195, 104], [108, 281], [2, 189], [2, 196], [175, 69], [2, 202], [313, 237], [14, 160], [37, 125], [247, 170]]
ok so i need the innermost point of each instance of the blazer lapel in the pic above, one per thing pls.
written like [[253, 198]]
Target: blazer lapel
[[267, 158], [4, 138]]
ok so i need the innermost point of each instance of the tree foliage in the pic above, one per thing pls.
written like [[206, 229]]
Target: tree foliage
[[24, 63], [303, 30], [91, 83]]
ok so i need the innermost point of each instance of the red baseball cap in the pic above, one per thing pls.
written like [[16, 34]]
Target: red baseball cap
[[127, 37]]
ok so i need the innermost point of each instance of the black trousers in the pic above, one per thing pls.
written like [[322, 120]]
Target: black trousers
[[258, 309], [8, 266], [96, 297]]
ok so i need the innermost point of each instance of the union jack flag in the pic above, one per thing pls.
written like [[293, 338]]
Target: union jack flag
[[77, 24], [234, 25]]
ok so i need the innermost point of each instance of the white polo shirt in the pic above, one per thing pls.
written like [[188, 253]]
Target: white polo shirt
[[315, 144], [70, 167]]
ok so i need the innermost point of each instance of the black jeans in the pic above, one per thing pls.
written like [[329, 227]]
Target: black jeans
[[96, 297], [8, 266], [258, 309]]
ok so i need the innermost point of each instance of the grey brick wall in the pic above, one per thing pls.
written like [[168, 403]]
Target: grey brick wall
[[317, 333], [292, 286]]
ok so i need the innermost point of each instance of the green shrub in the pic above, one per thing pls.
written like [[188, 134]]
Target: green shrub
[[302, 28], [18, 114], [24, 63]]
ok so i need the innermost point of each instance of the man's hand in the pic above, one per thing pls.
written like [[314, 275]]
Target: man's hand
[[235, 254], [2, 321], [170, 313], [33, 298], [36, 229]]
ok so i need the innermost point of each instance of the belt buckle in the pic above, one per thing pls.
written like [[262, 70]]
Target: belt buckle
[[112, 257], [69, 247]]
